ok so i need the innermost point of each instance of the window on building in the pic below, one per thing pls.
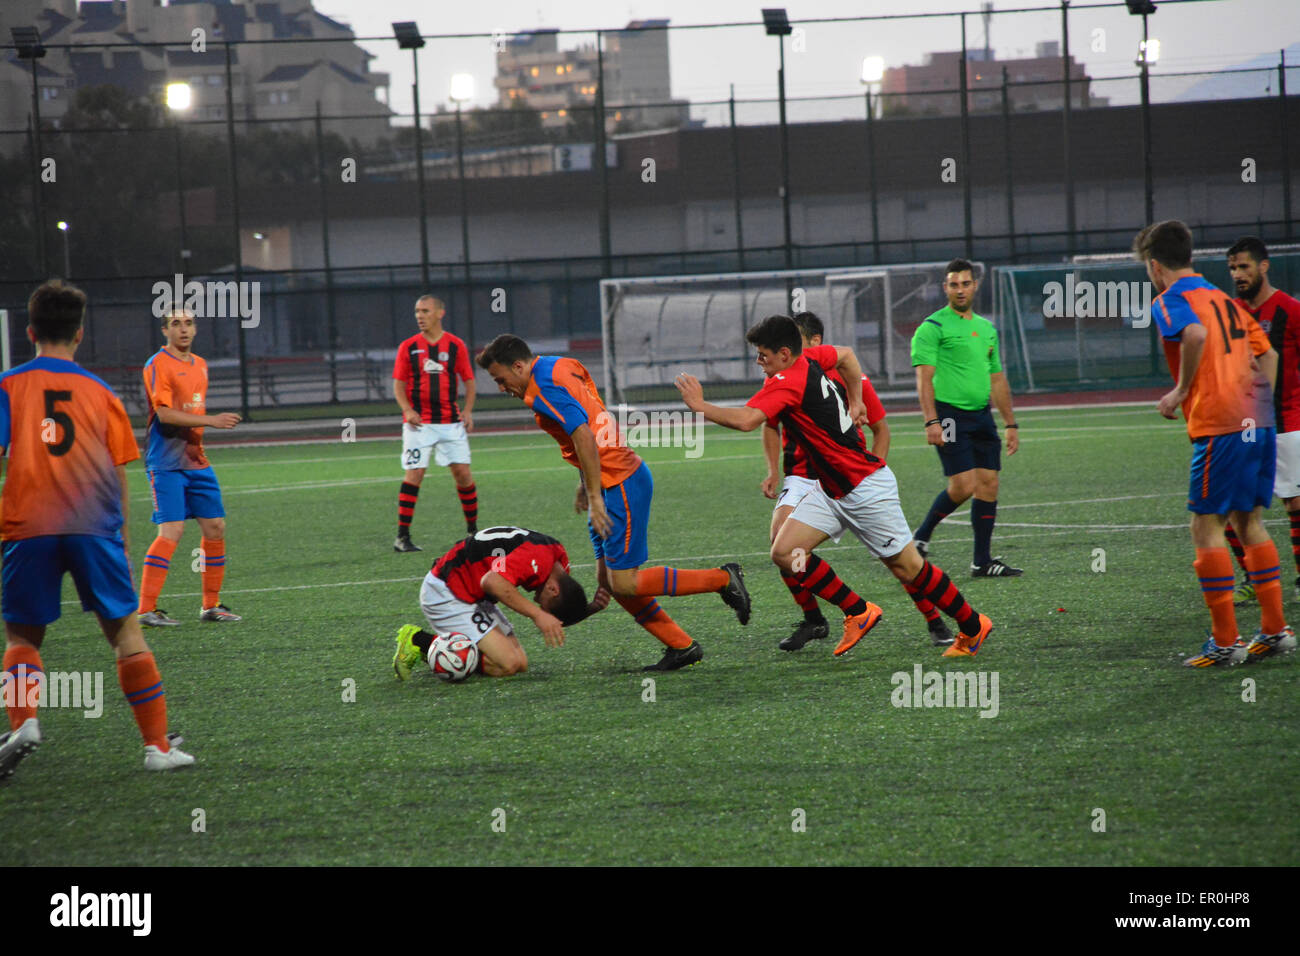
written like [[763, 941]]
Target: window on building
[[535, 72], [49, 93], [214, 80], [559, 69], [563, 113]]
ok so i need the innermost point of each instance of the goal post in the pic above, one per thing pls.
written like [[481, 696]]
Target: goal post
[[656, 327]]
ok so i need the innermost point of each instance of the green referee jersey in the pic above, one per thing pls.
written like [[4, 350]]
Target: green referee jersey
[[964, 353]]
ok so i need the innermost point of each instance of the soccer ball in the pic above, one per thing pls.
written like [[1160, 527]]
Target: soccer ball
[[452, 656]]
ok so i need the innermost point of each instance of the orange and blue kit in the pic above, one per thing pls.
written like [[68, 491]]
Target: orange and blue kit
[[65, 433]]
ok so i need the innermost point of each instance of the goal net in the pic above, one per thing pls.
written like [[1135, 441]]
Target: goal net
[[654, 328], [1087, 322]]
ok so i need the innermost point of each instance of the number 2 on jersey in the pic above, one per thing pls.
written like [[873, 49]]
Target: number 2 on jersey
[[828, 390]]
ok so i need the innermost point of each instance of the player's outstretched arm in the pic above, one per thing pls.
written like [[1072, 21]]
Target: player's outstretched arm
[[170, 416], [496, 587], [743, 419]]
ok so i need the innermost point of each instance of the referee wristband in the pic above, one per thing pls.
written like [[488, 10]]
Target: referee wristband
[[934, 421], [1010, 426]]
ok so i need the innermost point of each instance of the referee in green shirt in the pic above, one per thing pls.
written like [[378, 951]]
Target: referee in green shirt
[[958, 368]]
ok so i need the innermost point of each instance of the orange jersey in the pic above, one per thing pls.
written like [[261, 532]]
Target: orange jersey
[[65, 433], [563, 398], [182, 386], [1223, 395]]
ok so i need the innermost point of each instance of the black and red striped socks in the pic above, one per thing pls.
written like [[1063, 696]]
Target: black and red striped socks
[[406, 508], [935, 586], [469, 505], [819, 578]]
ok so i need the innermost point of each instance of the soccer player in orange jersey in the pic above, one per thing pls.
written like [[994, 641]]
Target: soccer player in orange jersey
[[1279, 316], [183, 482], [615, 490], [1212, 345], [64, 509]]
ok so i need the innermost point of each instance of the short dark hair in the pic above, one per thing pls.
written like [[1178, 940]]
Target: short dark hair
[[776, 332], [55, 311], [505, 349], [1251, 245], [1168, 243], [571, 604], [960, 265], [809, 324]]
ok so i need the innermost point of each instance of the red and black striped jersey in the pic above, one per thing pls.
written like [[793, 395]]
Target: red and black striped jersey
[[524, 558], [793, 460], [812, 410], [1279, 317], [432, 372]]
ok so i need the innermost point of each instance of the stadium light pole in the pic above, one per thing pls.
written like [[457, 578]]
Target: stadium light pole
[[1148, 54], [179, 97], [67, 256], [233, 146], [462, 91], [408, 38], [777, 24], [873, 71], [28, 42]]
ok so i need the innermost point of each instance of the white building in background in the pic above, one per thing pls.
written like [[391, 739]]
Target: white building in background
[[272, 81]]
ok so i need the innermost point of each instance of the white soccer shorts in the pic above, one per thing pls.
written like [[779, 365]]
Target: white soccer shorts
[[793, 490], [446, 612], [1286, 482], [449, 444], [871, 511]]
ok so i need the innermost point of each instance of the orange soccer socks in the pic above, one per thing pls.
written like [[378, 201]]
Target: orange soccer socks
[[157, 562], [651, 582], [214, 571], [647, 612], [142, 684], [1214, 569], [22, 680], [1264, 569]]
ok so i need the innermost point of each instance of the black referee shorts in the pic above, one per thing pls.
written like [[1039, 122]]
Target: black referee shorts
[[976, 443]]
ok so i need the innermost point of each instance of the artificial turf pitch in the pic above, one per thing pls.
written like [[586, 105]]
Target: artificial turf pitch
[[753, 756]]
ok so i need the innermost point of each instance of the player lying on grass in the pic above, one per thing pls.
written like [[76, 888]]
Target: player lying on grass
[[855, 489], [798, 481], [461, 591]]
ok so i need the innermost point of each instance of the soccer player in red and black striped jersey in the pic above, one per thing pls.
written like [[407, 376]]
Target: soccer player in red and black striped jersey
[[779, 445], [461, 591], [856, 489], [1279, 316], [426, 376]]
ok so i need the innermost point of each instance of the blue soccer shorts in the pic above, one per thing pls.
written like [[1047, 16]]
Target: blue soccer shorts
[[628, 507], [33, 577], [1232, 473], [185, 493]]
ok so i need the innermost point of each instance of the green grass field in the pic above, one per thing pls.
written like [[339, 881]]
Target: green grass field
[[1094, 713]]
